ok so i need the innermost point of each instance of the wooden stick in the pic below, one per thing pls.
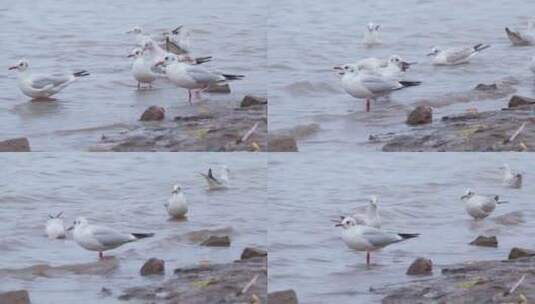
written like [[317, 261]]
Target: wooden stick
[[510, 291], [248, 134], [517, 132], [248, 285]]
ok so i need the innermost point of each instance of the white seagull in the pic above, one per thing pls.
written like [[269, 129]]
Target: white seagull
[[510, 178], [43, 86], [192, 77], [142, 69], [455, 56], [371, 218], [479, 206], [181, 38], [221, 182], [394, 66], [177, 206], [54, 227], [522, 38], [371, 35], [100, 238], [370, 85], [141, 37], [366, 238]]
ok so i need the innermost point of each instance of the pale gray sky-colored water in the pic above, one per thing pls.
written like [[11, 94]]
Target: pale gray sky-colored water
[[306, 39], [125, 192], [417, 193]]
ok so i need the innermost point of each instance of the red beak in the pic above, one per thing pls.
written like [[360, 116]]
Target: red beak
[[12, 67], [159, 63]]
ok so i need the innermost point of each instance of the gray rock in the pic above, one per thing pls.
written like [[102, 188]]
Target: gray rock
[[421, 115], [517, 101], [420, 266], [153, 266], [486, 87], [15, 145], [250, 252], [484, 241], [520, 253], [219, 89], [283, 297], [15, 297], [217, 241], [250, 100], [282, 143], [153, 113]]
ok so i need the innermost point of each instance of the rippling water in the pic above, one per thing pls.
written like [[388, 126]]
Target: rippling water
[[307, 39], [126, 192], [418, 193], [60, 35]]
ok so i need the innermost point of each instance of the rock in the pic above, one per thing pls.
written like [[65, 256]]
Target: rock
[[217, 241], [283, 297], [15, 145], [520, 253], [15, 297], [511, 218], [250, 252], [485, 241], [219, 89], [282, 143], [250, 100], [153, 113], [486, 87], [152, 266], [420, 266], [421, 115], [517, 101]]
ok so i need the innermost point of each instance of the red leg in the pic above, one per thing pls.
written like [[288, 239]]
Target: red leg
[[100, 255], [367, 258], [367, 105]]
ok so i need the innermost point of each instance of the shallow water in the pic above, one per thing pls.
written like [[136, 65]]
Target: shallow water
[[417, 193], [306, 40], [60, 35], [126, 192]]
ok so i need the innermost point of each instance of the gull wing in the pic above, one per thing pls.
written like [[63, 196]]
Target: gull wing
[[378, 85], [203, 76], [379, 238], [42, 81], [109, 237], [458, 54]]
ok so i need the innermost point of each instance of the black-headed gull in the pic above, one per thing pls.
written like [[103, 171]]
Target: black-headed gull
[[141, 36], [366, 238], [142, 69], [371, 35], [511, 179], [43, 85], [522, 38], [54, 227], [371, 218], [177, 206], [455, 56], [479, 206], [179, 37], [217, 183], [100, 238], [393, 67], [192, 77]]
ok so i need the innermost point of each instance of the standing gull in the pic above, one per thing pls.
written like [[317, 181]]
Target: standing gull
[[179, 39], [42, 85], [455, 56], [479, 206], [511, 179], [371, 35], [221, 182], [372, 217], [142, 69], [177, 205], [394, 66], [365, 238], [100, 238], [522, 38], [54, 227]]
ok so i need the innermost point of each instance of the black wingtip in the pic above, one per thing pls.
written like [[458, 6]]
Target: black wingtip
[[408, 235], [142, 235], [210, 175], [410, 83], [81, 73], [233, 77]]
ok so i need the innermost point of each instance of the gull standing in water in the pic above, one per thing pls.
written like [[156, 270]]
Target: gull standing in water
[[141, 37], [393, 67], [455, 56], [142, 69], [41, 85], [366, 238], [510, 178], [479, 206], [218, 183], [181, 38], [371, 35], [100, 238], [177, 205], [54, 227], [522, 38], [192, 77], [372, 217]]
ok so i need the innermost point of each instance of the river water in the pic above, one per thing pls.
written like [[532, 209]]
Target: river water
[[126, 192], [307, 39], [63, 35], [417, 193]]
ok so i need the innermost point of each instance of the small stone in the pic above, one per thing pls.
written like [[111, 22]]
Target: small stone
[[250, 100], [217, 241], [153, 266], [421, 115], [153, 113], [486, 87], [219, 89], [485, 241], [282, 143], [15, 297], [15, 145], [520, 253], [250, 252], [517, 101], [283, 297], [420, 266]]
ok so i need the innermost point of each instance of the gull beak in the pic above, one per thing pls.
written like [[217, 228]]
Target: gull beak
[[70, 228], [338, 225], [338, 68], [430, 54], [12, 67], [464, 196], [159, 63], [130, 56]]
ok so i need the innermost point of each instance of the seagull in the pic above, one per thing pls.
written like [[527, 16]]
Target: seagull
[[192, 77], [365, 238], [217, 183], [100, 238], [455, 56], [393, 67], [511, 179], [181, 38], [370, 85], [142, 69], [522, 38], [43, 86], [141, 37], [54, 227], [177, 206], [372, 217], [371, 35], [479, 206]]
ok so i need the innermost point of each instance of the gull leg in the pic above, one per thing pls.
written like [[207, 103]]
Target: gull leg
[[139, 85], [100, 255], [367, 105], [368, 258], [189, 97]]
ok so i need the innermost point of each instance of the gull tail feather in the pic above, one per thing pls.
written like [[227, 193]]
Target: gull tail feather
[[81, 73], [201, 60], [232, 77], [142, 235], [410, 83], [480, 47], [406, 236]]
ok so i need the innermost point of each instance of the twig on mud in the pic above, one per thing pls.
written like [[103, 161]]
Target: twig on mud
[[517, 132], [248, 134], [248, 285], [515, 286]]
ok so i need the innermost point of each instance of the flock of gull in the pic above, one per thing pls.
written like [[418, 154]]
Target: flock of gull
[[371, 78], [166, 56], [101, 238], [362, 231]]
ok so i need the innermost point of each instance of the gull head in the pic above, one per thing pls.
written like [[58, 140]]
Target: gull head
[[346, 68], [434, 51], [21, 66], [148, 45], [373, 27], [346, 222], [373, 200], [396, 60], [136, 53], [168, 60], [176, 189], [78, 222], [135, 30], [468, 194]]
